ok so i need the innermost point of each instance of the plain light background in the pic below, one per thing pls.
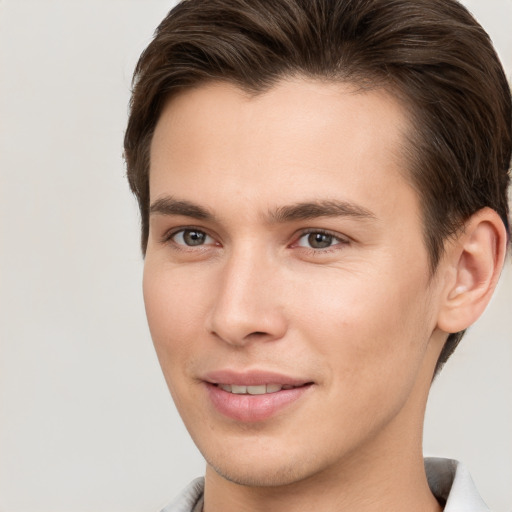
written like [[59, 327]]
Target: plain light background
[[86, 422]]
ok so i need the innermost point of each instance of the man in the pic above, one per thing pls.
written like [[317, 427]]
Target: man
[[322, 186]]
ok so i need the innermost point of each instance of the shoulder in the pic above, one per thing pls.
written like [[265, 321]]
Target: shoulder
[[189, 499]]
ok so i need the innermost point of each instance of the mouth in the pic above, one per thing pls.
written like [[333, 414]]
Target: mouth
[[263, 389], [255, 396]]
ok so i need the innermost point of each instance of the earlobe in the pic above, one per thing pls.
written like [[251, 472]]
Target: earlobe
[[475, 260]]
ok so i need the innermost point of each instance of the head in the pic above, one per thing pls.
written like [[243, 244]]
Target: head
[[430, 55], [322, 187]]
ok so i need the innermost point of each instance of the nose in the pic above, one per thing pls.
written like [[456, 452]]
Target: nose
[[247, 304]]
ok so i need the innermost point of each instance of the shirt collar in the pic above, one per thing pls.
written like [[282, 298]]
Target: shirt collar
[[452, 485]]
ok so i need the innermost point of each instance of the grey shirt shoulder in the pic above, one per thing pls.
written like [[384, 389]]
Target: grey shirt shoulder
[[190, 499]]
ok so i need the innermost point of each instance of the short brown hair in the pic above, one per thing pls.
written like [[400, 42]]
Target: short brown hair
[[431, 54]]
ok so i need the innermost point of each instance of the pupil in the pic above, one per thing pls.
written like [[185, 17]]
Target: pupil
[[319, 240], [193, 237]]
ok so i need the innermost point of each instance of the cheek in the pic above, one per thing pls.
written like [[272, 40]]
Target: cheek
[[372, 330], [174, 307]]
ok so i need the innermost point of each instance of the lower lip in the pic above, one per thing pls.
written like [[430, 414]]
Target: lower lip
[[253, 408]]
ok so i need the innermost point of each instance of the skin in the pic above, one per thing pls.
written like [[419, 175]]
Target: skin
[[358, 316]]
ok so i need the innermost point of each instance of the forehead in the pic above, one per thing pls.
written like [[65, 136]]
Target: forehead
[[300, 137], [217, 109]]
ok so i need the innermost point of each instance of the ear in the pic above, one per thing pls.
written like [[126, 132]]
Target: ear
[[473, 266]]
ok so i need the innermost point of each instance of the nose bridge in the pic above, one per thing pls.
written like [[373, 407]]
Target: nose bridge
[[247, 299]]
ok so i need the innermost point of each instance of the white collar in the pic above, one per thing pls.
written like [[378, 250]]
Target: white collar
[[452, 484]]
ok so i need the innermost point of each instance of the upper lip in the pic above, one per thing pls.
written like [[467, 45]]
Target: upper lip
[[252, 378]]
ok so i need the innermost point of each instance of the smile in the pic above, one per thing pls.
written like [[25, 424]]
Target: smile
[[254, 402], [262, 389]]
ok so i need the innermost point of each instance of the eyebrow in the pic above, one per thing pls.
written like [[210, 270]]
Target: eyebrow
[[171, 206], [315, 209], [282, 214]]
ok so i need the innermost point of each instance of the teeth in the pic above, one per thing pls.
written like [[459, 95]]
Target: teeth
[[257, 390], [254, 390]]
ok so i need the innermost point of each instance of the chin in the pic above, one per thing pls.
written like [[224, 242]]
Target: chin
[[262, 469], [259, 477]]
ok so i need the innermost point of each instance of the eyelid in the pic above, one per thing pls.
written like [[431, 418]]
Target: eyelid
[[341, 239], [168, 235]]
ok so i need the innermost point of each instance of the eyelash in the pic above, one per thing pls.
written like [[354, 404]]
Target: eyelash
[[168, 239], [336, 241]]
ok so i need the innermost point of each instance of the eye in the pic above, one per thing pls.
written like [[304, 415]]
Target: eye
[[319, 240], [191, 238]]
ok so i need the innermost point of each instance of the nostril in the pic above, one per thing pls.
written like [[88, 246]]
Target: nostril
[[257, 335]]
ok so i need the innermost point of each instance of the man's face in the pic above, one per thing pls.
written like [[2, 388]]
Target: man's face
[[286, 281]]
